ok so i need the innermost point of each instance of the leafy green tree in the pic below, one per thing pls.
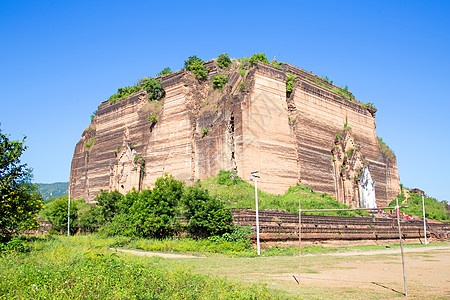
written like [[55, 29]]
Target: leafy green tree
[[89, 217], [223, 61], [192, 60], [165, 71], [154, 89], [258, 57], [196, 66], [56, 212], [151, 85], [207, 215], [19, 199], [219, 81], [290, 85], [108, 203], [155, 210]]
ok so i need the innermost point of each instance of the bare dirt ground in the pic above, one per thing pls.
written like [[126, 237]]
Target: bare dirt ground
[[355, 274], [427, 271], [146, 253]]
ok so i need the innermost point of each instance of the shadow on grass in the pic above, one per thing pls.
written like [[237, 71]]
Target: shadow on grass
[[383, 286]]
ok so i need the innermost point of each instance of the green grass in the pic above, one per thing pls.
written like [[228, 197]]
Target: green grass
[[240, 194], [433, 209], [82, 267]]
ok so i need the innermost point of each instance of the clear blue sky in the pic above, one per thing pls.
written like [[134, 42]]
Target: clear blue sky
[[60, 59]]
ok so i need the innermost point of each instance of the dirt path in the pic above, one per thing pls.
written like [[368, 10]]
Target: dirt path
[[146, 253], [396, 250], [353, 274]]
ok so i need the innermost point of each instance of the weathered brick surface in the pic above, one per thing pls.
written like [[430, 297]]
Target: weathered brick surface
[[250, 125]]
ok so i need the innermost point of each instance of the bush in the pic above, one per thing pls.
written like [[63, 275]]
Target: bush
[[14, 245], [258, 57], [151, 85], [164, 72], [223, 61], [196, 66], [433, 209], [154, 90], [20, 200], [89, 217], [109, 204], [219, 81], [207, 215], [56, 212], [290, 85], [227, 178], [153, 118], [154, 211]]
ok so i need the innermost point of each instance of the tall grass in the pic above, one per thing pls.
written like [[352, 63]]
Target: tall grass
[[433, 209], [240, 194], [82, 267]]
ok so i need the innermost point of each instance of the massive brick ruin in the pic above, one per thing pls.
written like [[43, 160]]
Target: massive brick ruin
[[315, 136]]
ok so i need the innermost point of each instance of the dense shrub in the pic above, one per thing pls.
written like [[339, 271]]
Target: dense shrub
[[290, 85], [20, 200], [219, 81], [89, 217], [196, 66], [108, 202], [154, 211], [164, 72], [258, 57], [151, 85], [227, 177], [223, 61], [207, 215], [56, 212], [433, 209]]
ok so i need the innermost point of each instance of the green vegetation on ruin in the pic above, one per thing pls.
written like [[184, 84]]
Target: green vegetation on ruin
[[385, 148], [433, 209], [164, 72], [224, 61], [219, 81], [239, 194], [90, 142], [151, 85], [290, 80], [197, 66]]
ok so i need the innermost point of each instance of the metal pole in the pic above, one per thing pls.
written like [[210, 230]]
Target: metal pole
[[257, 217], [299, 238], [401, 246], [424, 220], [68, 214]]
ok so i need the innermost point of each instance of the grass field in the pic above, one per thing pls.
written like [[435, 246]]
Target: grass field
[[84, 267]]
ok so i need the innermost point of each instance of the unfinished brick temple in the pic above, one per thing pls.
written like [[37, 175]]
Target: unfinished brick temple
[[313, 135]]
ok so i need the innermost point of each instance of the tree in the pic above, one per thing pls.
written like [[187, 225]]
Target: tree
[[155, 210], [19, 198], [109, 204], [219, 81], [207, 215], [56, 213], [164, 72], [196, 66], [258, 57], [223, 61], [154, 89]]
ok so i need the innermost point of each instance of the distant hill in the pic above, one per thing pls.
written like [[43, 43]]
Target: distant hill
[[53, 189]]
